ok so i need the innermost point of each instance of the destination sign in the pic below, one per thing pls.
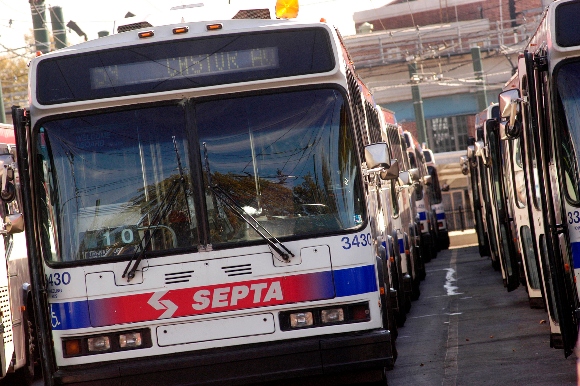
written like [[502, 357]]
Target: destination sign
[[184, 67]]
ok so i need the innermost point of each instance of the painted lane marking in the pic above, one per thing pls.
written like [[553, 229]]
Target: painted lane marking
[[450, 364]]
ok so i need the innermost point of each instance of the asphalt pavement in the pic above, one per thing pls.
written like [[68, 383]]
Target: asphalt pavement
[[466, 329]]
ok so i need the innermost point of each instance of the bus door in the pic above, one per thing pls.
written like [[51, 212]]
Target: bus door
[[476, 199], [524, 226], [507, 253], [487, 215]]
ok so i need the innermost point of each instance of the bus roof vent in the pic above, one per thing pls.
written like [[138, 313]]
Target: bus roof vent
[[133, 26], [253, 14]]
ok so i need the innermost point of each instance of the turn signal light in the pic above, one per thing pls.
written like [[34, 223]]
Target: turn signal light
[[180, 30], [72, 347], [146, 34], [214, 27]]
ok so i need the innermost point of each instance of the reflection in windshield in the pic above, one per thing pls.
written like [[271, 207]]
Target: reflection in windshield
[[287, 159], [105, 177], [568, 86]]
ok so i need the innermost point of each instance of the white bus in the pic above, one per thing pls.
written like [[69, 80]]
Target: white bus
[[436, 197], [543, 112], [17, 335], [202, 204]]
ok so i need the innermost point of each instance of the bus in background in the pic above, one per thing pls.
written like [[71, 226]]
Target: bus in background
[[424, 219], [521, 223], [479, 157], [437, 200], [400, 191], [543, 112], [202, 200], [17, 338]]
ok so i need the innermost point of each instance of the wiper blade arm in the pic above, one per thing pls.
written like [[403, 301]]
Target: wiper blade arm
[[162, 209], [231, 203], [152, 229]]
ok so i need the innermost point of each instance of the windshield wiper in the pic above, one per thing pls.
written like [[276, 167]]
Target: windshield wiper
[[233, 205], [163, 208]]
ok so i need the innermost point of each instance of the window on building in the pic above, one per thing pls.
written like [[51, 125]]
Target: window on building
[[447, 134]]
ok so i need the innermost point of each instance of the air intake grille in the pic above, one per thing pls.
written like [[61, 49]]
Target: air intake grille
[[253, 14], [178, 277], [134, 26], [238, 270], [6, 319]]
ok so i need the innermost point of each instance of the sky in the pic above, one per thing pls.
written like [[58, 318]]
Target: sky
[[101, 15]]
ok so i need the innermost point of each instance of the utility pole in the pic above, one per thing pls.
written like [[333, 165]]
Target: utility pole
[[41, 41], [2, 112], [480, 84], [58, 30], [417, 103]]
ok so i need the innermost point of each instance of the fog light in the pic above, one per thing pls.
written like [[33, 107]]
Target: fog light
[[99, 343], [332, 316], [72, 347], [301, 319], [130, 340]]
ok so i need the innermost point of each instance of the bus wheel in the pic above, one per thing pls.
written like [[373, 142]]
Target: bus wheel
[[26, 373]]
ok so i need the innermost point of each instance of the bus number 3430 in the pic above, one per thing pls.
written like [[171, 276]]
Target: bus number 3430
[[361, 240]]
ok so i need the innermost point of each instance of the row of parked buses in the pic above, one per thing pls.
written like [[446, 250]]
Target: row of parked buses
[[524, 170], [210, 201]]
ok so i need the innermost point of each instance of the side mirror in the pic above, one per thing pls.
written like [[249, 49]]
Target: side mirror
[[405, 178], [392, 172], [377, 156], [427, 180], [14, 223], [509, 107], [415, 176]]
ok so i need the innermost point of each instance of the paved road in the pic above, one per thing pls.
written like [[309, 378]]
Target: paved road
[[466, 329]]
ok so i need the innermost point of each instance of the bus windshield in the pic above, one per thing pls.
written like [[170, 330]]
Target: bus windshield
[[569, 123], [288, 159]]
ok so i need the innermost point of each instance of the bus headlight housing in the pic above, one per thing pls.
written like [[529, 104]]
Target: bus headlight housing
[[333, 315], [99, 343], [106, 343], [324, 316], [301, 319], [130, 340]]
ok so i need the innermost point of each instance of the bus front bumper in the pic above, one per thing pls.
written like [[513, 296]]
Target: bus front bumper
[[240, 365]]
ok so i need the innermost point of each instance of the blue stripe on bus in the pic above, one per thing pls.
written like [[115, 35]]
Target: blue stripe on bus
[[70, 315], [347, 282], [441, 216], [355, 281], [576, 254], [422, 216]]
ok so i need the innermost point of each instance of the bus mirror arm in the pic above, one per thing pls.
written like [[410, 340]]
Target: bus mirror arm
[[392, 172]]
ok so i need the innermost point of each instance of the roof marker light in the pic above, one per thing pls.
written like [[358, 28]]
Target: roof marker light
[[286, 9], [180, 30], [214, 27], [146, 34]]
